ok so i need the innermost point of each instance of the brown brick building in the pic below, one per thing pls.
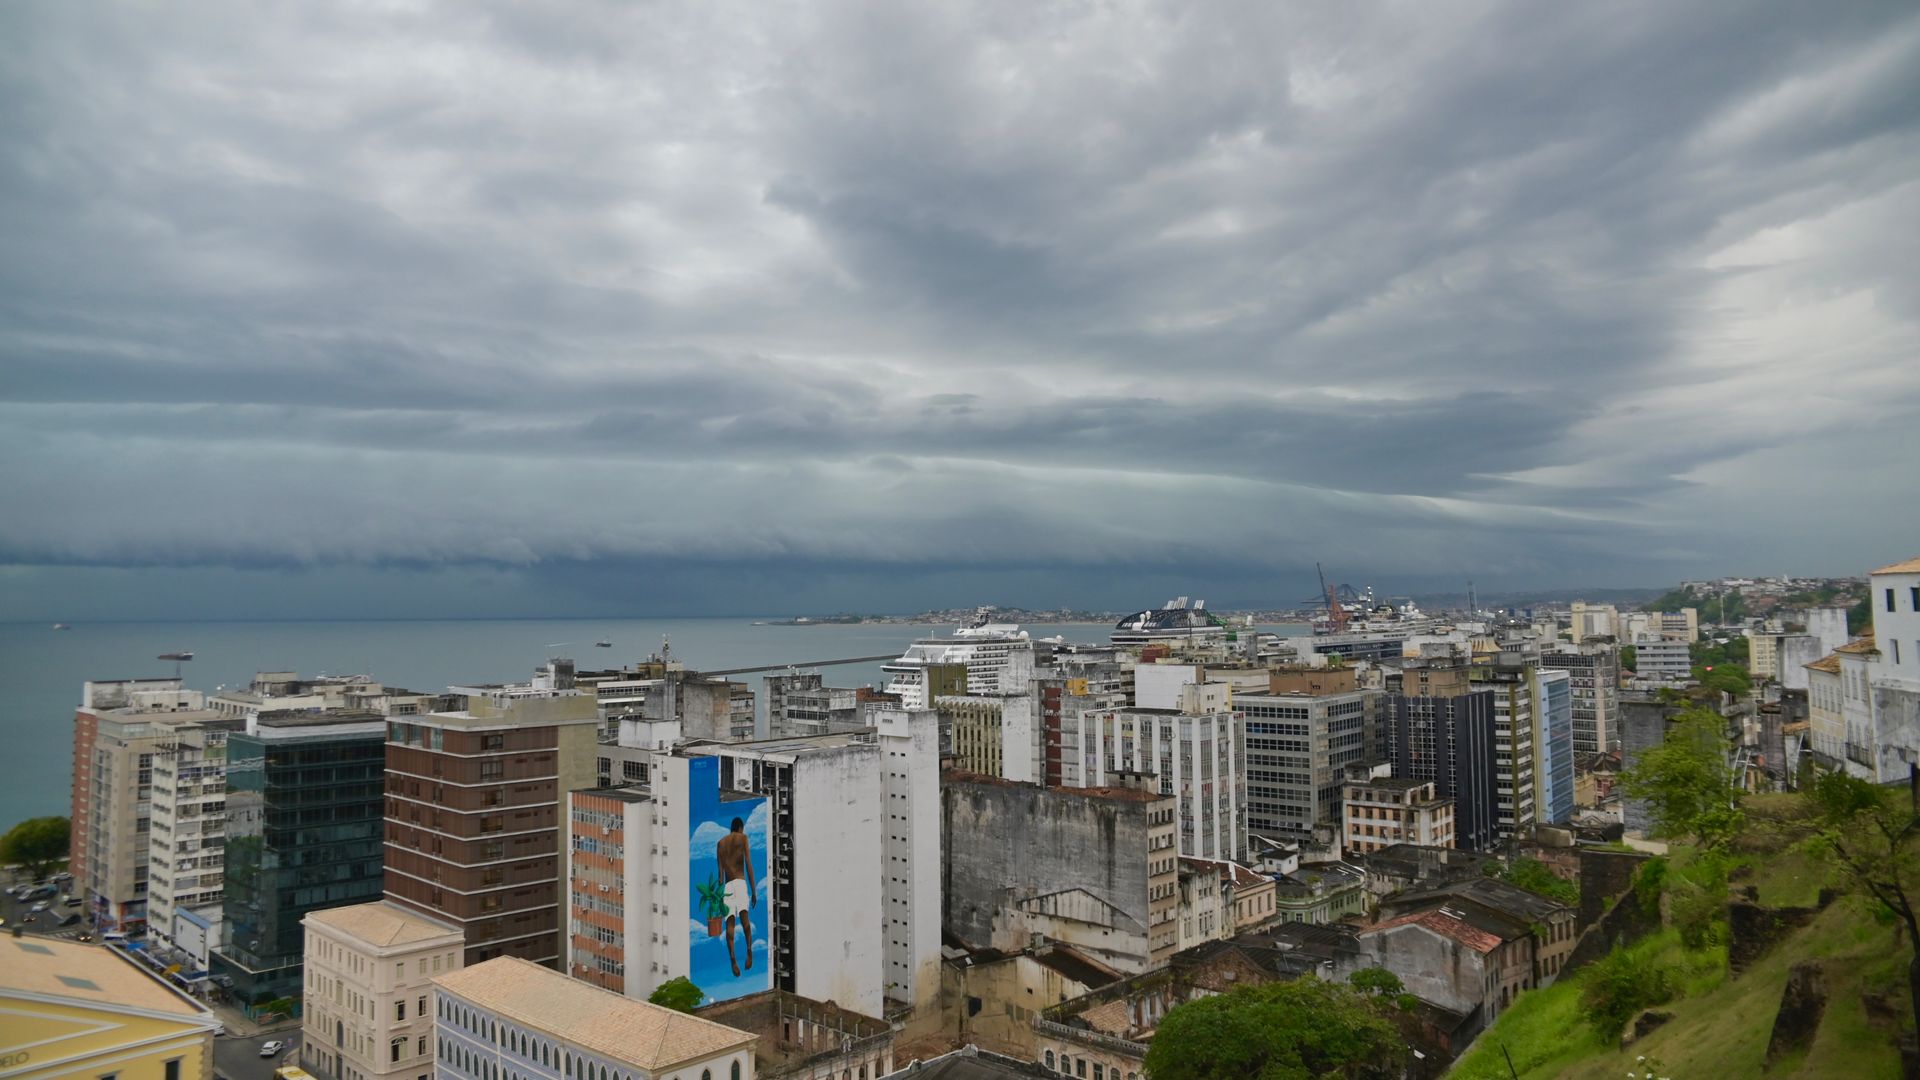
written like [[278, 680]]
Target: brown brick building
[[475, 800]]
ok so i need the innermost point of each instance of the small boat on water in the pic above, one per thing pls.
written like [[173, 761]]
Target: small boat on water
[[175, 656], [61, 626], [603, 644]]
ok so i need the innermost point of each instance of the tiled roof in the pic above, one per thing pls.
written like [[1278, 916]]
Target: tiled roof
[[1862, 644], [1911, 566], [93, 974], [627, 1029], [1447, 926], [1828, 663], [382, 924]]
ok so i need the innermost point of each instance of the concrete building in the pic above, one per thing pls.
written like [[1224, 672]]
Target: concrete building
[[1439, 728], [1593, 671], [303, 833], [1593, 620], [186, 850], [1320, 893], [997, 658], [797, 1038], [1828, 626], [508, 1017], [118, 728], [69, 1010], [1299, 743], [1195, 753], [1663, 659], [800, 703], [474, 796], [1550, 927], [1682, 626], [1096, 869], [1456, 956], [1381, 811], [1826, 713], [991, 996], [854, 846], [1893, 669], [993, 734], [1644, 720], [369, 974], [1515, 729]]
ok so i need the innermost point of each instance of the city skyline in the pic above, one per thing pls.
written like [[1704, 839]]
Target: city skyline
[[697, 309]]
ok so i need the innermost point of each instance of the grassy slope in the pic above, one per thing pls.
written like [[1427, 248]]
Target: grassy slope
[[1720, 1025]]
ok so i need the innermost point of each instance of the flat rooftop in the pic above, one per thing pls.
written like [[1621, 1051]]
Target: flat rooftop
[[382, 924], [93, 974]]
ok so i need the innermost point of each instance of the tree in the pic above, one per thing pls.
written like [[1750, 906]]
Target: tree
[[1617, 986], [38, 844], [678, 994], [1279, 1031], [1376, 980], [1729, 678], [1688, 780], [1629, 658], [1873, 834]]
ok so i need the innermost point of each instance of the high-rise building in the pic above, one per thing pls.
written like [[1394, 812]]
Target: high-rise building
[[1298, 746], [842, 836], [474, 802], [1553, 744], [800, 703], [1438, 728], [1195, 753], [118, 729], [1593, 670], [1515, 727], [1662, 658], [303, 834], [511, 1018], [186, 849], [369, 977]]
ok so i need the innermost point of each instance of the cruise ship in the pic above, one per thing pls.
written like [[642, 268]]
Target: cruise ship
[[985, 647], [1175, 621]]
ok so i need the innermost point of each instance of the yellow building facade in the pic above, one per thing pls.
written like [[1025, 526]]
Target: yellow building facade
[[82, 1012]]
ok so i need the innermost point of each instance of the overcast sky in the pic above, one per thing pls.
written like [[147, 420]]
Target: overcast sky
[[471, 308]]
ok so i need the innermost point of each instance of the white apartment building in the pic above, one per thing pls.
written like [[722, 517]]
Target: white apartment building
[[119, 728], [368, 984], [851, 875], [1892, 670], [511, 1019], [1197, 752], [186, 852], [1663, 658]]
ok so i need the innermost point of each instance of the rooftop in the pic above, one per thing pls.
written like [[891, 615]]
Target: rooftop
[[647, 1035], [1862, 644], [1443, 921], [382, 924], [972, 1063], [93, 974], [1910, 566], [1828, 663]]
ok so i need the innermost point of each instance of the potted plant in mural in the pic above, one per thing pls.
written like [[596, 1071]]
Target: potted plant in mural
[[713, 901]]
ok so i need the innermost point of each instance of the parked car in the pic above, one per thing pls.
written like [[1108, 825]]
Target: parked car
[[84, 935], [39, 907], [271, 1047], [70, 919], [72, 901]]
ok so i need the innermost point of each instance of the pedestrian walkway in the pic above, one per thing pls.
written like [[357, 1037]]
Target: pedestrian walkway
[[238, 1026]]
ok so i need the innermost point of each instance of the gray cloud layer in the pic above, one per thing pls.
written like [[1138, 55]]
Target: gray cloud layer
[[1590, 294]]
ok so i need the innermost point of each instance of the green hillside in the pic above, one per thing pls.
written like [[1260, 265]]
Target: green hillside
[[1721, 1024]]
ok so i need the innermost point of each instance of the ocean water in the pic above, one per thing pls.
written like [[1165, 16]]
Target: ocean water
[[41, 670]]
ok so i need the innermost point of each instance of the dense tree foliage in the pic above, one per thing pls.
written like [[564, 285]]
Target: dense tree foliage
[[1729, 678], [1728, 606], [677, 993], [38, 844], [1279, 1031], [1688, 780], [1629, 658], [1615, 988], [1873, 834]]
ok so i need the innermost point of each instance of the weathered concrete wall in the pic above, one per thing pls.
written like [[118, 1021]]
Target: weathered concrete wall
[[1643, 725], [1604, 877], [1005, 841]]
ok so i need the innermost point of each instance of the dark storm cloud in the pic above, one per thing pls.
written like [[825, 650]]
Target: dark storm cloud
[[870, 290]]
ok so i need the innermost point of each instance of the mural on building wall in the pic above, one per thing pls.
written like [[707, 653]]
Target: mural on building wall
[[727, 867]]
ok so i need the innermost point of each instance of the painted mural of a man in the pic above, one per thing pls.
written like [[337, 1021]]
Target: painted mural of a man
[[735, 857]]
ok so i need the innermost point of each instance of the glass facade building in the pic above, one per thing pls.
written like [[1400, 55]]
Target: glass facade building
[[304, 815]]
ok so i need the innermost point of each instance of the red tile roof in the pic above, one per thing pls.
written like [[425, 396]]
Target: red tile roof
[[1447, 926]]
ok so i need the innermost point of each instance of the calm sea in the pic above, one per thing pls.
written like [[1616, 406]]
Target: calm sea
[[41, 669]]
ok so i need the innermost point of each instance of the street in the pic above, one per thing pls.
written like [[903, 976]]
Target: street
[[239, 1059]]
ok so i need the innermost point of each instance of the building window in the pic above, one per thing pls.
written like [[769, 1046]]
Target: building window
[[1049, 1059], [399, 1010], [1889, 600], [493, 742], [173, 1069], [735, 1072]]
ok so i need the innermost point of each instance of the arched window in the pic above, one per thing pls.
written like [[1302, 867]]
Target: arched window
[[1049, 1059], [736, 1071], [706, 1074]]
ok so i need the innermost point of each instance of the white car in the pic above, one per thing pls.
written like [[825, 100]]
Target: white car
[[41, 906], [271, 1047]]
